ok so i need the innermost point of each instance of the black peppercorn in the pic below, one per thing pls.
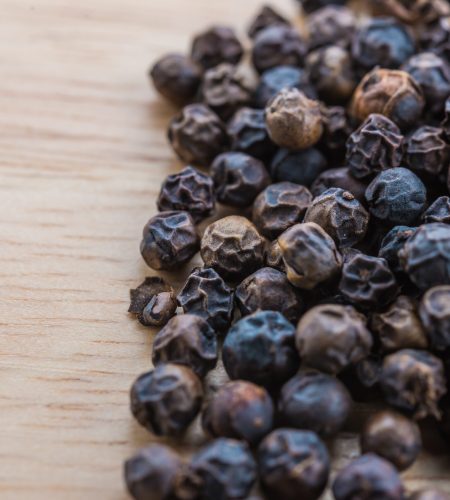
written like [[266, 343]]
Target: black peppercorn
[[260, 348], [331, 25], [205, 294], [315, 401], [293, 464], [151, 473], [369, 476], [197, 135], [240, 410], [217, 45], [169, 240], [331, 337], [269, 290], [339, 178], [187, 340], [438, 211], [435, 315], [393, 243], [189, 190], [435, 36], [265, 18], [167, 399], [279, 207], [177, 78], [430, 495], [413, 381], [299, 167], [427, 152], [238, 178], [336, 129]]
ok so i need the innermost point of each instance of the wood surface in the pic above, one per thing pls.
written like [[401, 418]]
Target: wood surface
[[82, 155]]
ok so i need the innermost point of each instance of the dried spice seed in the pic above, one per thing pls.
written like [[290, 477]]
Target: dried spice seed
[[217, 45], [336, 129], [159, 310], [265, 18], [393, 243], [438, 211], [330, 25], [427, 152], [299, 167], [274, 257], [339, 178], [435, 315]]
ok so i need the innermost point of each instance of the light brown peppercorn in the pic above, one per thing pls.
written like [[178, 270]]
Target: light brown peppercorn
[[160, 309], [294, 121]]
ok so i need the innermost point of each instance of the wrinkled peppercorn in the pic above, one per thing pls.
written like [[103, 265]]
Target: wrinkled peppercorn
[[299, 167], [293, 464], [278, 45], [315, 401], [279, 207], [217, 45], [167, 399], [375, 146], [293, 121], [205, 294], [427, 152], [189, 190], [197, 135], [331, 25], [414, 382], [233, 247], [367, 282], [187, 340], [341, 215], [269, 290], [238, 178], [339, 178], [266, 17], [430, 495], [151, 473], [169, 240], [438, 211], [240, 410], [336, 129], [411, 11], [312, 5], [399, 327], [393, 243], [260, 348], [435, 315], [369, 476], [391, 93], [177, 78], [331, 337]]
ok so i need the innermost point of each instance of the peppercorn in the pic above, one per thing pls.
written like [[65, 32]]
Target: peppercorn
[[425, 256], [278, 45], [169, 240], [233, 247], [330, 70], [367, 282], [435, 315], [312, 5], [177, 78], [336, 129], [375, 146], [240, 410], [309, 254], [274, 257], [427, 152], [399, 327], [293, 121], [217, 45], [397, 195], [238, 178], [430, 495], [260, 348], [391, 93], [293, 464], [341, 215], [413, 381], [248, 134], [368, 372], [167, 399], [438, 211], [435, 36], [197, 135], [331, 25], [393, 243], [151, 473], [331, 337], [315, 401], [276, 79], [339, 178], [299, 167], [225, 89], [412, 11], [266, 17], [159, 310], [205, 294], [368, 476], [187, 340], [189, 190], [269, 290], [279, 207], [224, 469]]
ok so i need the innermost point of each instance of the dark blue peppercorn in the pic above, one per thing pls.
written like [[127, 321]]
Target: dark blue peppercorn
[[300, 167]]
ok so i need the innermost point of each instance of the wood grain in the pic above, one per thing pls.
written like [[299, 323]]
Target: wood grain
[[82, 155]]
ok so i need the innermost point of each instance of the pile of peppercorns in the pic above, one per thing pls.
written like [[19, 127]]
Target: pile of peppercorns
[[334, 278]]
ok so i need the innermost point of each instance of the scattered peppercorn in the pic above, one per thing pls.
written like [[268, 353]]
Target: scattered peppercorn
[[393, 243], [333, 24], [339, 178], [426, 151], [336, 129], [299, 167], [435, 315], [266, 17], [438, 211]]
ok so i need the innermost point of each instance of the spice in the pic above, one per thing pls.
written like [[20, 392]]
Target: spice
[[333, 24], [265, 18], [299, 167], [393, 243], [339, 178], [336, 129], [435, 316], [427, 152], [217, 45], [438, 211]]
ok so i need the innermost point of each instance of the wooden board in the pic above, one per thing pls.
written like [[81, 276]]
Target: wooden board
[[82, 155]]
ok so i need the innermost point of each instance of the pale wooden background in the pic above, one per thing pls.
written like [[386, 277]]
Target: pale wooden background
[[82, 154]]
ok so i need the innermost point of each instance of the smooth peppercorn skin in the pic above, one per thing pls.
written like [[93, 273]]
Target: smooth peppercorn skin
[[216, 45], [266, 17], [299, 167], [331, 337], [314, 401], [435, 316], [187, 340], [151, 473], [169, 240], [438, 211], [339, 178], [167, 399], [293, 464], [147, 296], [393, 243], [369, 476], [426, 152], [260, 348], [331, 25], [239, 410]]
